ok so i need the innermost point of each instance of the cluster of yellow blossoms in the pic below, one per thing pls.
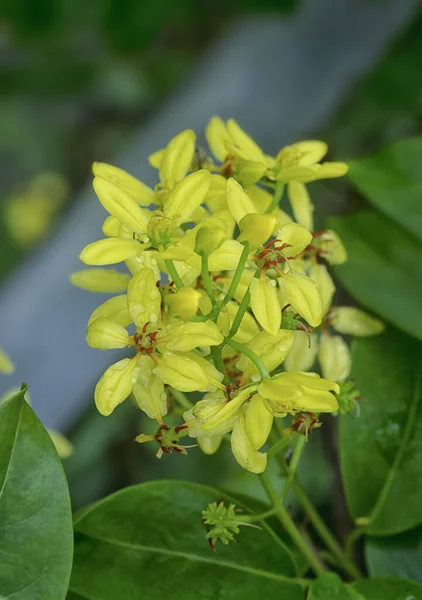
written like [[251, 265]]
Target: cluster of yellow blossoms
[[223, 288]]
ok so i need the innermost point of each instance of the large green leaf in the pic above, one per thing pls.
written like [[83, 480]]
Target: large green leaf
[[149, 541], [398, 555], [381, 451], [35, 514], [329, 586], [383, 270], [388, 589], [392, 181]]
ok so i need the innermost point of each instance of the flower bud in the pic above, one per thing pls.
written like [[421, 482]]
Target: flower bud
[[187, 196], [249, 172], [106, 335], [116, 384], [210, 445], [256, 229], [303, 352], [258, 421], [183, 337], [303, 294], [271, 349], [349, 320], [331, 248], [265, 304], [184, 303], [144, 298], [182, 373], [209, 239], [334, 358], [148, 392], [109, 281], [301, 203], [141, 193], [177, 158], [244, 452], [238, 201], [115, 309], [120, 204], [109, 251], [296, 236], [319, 273], [111, 227]]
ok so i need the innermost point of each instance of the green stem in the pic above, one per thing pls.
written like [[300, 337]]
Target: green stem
[[218, 362], [289, 526], [251, 355], [351, 540], [324, 533], [282, 443], [278, 195], [206, 278], [181, 399], [174, 274], [237, 276], [239, 315], [294, 463], [258, 517]]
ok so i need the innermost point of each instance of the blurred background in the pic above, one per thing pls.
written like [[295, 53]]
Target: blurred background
[[114, 80]]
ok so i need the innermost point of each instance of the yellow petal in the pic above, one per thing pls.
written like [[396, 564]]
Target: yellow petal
[[213, 374], [184, 303], [229, 409], [334, 358], [238, 201], [302, 293], [116, 384], [349, 320], [115, 309], [148, 391], [210, 445], [297, 236], [120, 204], [257, 229], [141, 193], [258, 421], [183, 337], [303, 352], [250, 172], [261, 198], [111, 227], [209, 239], [332, 248], [330, 170], [319, 273], [243, 450], [312, 151], [105, 335], [248, 327], [265, 304], [301, 204], [144, 298], [217, 137], [177, 158], [244, 143], [109, 251], [186, 196], [101, 280], [271, 349], [182, 373], [155, 158]]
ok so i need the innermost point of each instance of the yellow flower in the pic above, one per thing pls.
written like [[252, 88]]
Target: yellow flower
[[116, 384], [303, 295], [101, 280]]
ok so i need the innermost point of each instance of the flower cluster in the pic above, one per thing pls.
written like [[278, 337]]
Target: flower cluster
[[223, 287]]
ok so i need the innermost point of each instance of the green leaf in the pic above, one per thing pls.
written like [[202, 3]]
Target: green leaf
[[388, 589], [329, 586], [149, 539], [381, 451], [383, 270], [398, 555], [392, 181], [35, 514]]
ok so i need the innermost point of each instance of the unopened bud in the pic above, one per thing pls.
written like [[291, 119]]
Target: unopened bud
[[256, 229], [184, 303], [208, 240]]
